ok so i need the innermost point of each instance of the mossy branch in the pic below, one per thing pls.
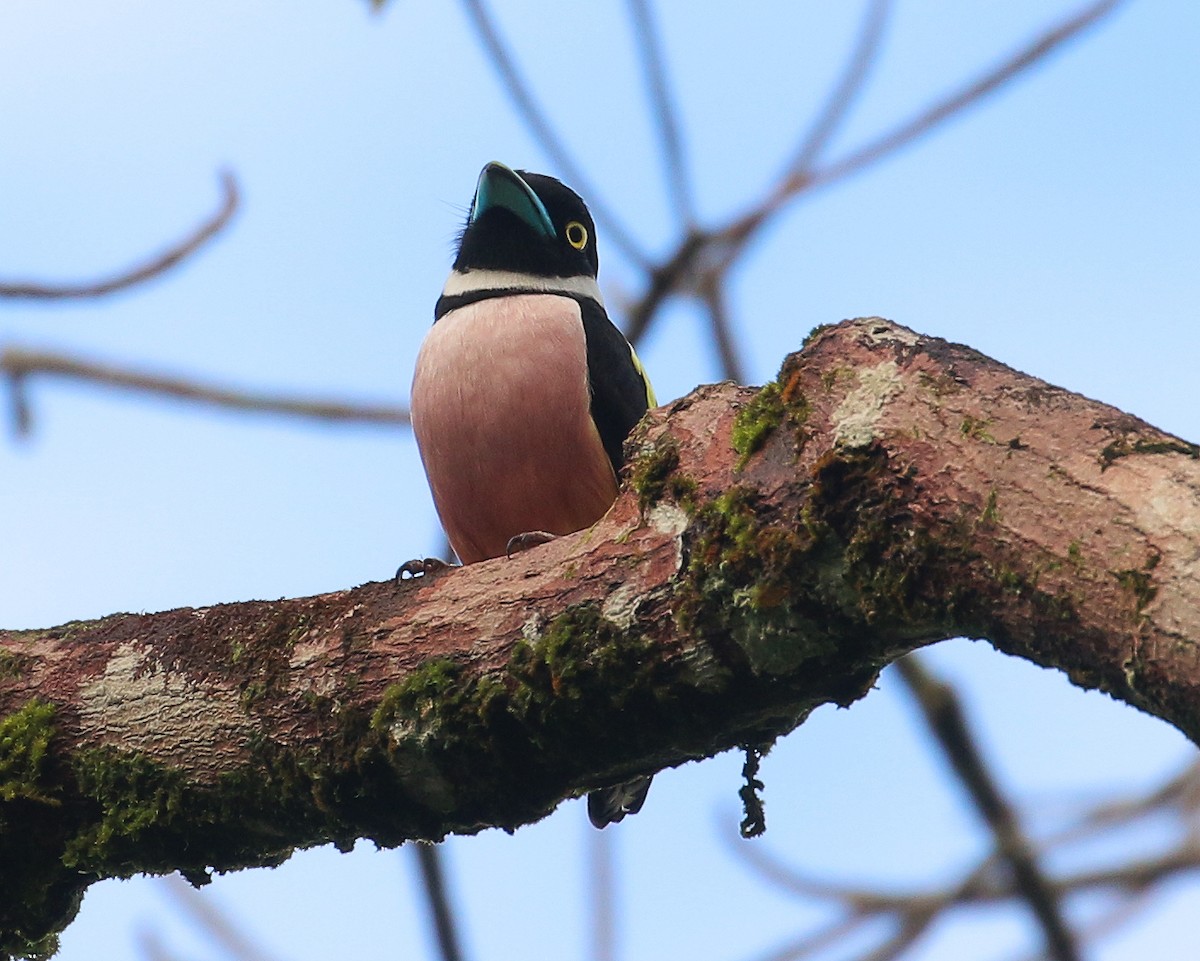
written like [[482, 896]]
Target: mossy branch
[[772, 551]]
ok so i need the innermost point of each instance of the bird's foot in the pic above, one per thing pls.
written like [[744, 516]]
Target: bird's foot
[[522, 542], [420, 566]]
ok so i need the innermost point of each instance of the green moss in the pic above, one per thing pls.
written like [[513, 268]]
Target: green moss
[[574, 667], [143, 815], [440, 728], [252, 691], [832, 376], [41, 949], [13, 665], [1140, 582], [1056, 608], [815, 333], [755, 422], [991, 512], [797, 593], [428, 698], [25, 737], [134, 794], [779, 401], [1122, 447], [35, 897], [740, 585], [654, 474], [450, 727], [940, 385], [976, 429]]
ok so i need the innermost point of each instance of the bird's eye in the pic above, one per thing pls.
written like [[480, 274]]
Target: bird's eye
[[577, 235]]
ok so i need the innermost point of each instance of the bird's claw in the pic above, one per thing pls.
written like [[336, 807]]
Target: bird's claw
[[420, 566], [522, 542]]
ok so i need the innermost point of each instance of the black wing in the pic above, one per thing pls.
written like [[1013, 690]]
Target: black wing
[[620, 393]]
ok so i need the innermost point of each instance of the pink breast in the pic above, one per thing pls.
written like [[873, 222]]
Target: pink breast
[[500, 408]]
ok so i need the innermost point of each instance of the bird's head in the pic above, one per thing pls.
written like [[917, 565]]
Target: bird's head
[[527, 223]]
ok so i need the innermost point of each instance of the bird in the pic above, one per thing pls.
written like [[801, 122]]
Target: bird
[[524, 390]]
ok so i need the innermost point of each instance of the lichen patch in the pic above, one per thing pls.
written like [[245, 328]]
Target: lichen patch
[[621, 605], [879, 330], [859, 411], [672, 520], [139, 706], [669, 519]]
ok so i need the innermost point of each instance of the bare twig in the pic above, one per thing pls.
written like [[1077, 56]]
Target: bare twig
[[664, 280], [848, 88], [214, 922], [438, 901], [721, 247], [665, 113], [539, 125], [944, 715], [913, 912], [812, 944], [152, 948], [35, 290], [908, 914], [601, 895], [720, 326], [17, 365], [796, 181]]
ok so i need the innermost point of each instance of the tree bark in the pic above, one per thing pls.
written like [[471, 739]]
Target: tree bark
[[771, 550]]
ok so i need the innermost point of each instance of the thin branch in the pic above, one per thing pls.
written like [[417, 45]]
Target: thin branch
[[34, 290], [947, 721], [17, 365], [909, 912], [712, 291], [813, 943], [152, 947], [214, 922], [970, 94], [602, 895], [665, 279], [723, 246], [539, 125], [847, 90], [989, 82], [912, 927], [664, 110], [438, 899]]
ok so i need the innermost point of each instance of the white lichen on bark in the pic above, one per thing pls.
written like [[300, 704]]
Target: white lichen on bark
[[860, 410], [137, 705]]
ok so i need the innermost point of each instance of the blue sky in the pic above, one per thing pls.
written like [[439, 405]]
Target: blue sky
[[1054, 228]]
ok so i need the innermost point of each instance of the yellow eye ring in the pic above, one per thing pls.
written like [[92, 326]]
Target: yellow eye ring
[[577, 235]]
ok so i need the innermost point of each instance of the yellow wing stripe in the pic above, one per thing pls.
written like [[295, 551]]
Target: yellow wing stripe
[[651, 400]]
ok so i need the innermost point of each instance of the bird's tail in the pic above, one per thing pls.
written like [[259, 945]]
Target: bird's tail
[[610, 805]]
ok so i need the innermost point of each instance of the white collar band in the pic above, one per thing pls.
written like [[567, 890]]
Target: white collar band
[[473, 281]]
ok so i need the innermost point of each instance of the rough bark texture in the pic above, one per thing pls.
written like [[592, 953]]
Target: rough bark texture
[[771, 551]]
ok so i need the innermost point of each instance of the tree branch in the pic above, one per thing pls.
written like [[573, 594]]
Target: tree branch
[[18, 365], [947, 721], [719, 249], [433, 880], [160, 263], [771, 551], [664, 111]]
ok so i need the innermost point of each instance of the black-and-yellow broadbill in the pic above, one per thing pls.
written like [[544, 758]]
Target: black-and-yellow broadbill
[[524, 390]]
